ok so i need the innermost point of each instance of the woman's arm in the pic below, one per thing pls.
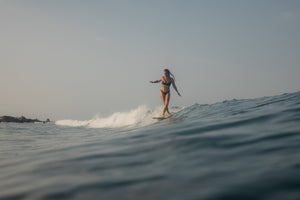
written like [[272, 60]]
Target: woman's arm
[[157, 81], [175, 88]]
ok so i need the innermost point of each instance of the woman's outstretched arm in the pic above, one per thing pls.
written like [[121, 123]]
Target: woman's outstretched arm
[[157, 81], [175, 88]]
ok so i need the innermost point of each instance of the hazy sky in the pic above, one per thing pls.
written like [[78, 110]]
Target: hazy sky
[[73, 59]]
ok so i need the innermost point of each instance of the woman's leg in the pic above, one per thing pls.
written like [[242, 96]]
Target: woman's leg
[[167, 100], [162, 96]]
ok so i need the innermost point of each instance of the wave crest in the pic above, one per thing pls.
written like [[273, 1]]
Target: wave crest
[[140, 116]]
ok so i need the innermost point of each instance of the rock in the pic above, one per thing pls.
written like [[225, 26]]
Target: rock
[[21, 119]]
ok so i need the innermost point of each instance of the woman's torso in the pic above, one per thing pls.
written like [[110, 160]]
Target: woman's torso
[[166, 83]]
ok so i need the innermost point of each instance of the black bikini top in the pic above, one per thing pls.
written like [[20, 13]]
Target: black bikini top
[[164, 83]]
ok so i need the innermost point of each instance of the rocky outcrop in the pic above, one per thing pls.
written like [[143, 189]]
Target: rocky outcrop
[[20, 119]]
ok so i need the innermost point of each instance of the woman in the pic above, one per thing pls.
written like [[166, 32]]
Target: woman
[[167, 80]]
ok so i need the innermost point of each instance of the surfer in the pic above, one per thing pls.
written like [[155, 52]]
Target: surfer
[[166, 82]]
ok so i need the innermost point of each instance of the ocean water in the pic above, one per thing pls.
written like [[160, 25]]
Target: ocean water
[[236, 149]]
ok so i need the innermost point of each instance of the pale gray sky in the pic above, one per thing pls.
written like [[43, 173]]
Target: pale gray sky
[[73, 59]]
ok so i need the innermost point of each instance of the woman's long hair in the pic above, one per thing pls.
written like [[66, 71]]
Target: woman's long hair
[[169, 73]]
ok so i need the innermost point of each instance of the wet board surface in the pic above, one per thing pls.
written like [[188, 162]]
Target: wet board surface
[[161, 118]]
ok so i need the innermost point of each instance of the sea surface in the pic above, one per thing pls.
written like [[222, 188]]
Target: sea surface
[[235, 149]]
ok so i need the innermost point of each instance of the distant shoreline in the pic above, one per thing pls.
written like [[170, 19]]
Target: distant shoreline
[[21, 119]]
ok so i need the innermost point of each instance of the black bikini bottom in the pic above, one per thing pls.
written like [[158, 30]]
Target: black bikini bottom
[[165, 93]]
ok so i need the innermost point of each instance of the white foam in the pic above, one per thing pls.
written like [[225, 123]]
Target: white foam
[[140, 116]]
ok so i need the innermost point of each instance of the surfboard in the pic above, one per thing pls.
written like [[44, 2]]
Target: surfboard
[[161, 118]]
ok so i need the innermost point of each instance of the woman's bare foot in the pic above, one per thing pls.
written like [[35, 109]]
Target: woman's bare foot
[[162, 115]]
